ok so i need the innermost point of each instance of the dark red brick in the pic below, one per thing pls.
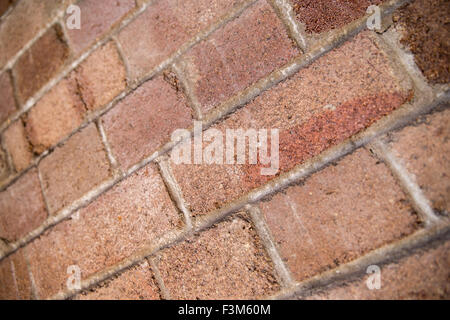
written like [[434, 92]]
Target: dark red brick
[[18, 146], [7, 103]]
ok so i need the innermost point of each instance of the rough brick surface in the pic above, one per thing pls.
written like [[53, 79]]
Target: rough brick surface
[[144, 120], [137, 283], [337, 96], [40, 63], [56, 115], [22, 207], [328, 221], [164, 26], [96, 18], [238, 54], [18, 146], [224, 262], [4, 168], [425, 150], [101, 77], [74, 168], [424, 275], [119, 222], [14, 279], [7, 102]]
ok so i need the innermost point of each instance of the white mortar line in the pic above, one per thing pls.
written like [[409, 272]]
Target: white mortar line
[[165, 294]]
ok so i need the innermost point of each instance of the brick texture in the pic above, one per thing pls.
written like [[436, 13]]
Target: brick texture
[[425, 149], [4, 168], [238, 54], [124, 219], [15, 283], [337, 96], [74, 168], [144, 120], [163, 27], [7, 103], [22, 207], [18, 146], [5, 5]]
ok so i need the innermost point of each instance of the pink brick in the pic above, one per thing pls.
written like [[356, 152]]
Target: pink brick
[[7, 103], [18, 146], [15, 283], [56, 115], [144, 120], [238, 55], [338, 214], [164, 27], [101, 77], [74, 168], [121, 221], [97, 17], [22, 207], [224, 262]]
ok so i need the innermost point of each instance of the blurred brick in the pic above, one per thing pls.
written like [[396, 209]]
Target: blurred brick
[[423, 275], [137, 283], [4, 5], [164, 27], [15, 283], [337, 96], [327, 221], [101, 76], [144, 120], [4, 168], [425, 150], [119, 222], [18, 146], [24, 23], [238, 55], [56, 115], [324, 15], [7, 102], [97, 17], [74, 168], [224, 262], [40, 63], [22, 207]]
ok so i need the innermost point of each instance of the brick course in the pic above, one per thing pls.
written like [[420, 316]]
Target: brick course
[[7, 103], [18, 146]]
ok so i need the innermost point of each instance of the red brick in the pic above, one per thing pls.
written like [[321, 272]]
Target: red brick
[[121, 221], [5, 5], [4, 168], [165, 26], [137, 283], [18, 146], [22, 207], [15, 283], [224, 262], [238, 55], [56, 115], [7, 103], [338, 214], [356, 79], [425, 150], [97, 17], [423, 275], [24, 23], [40, 63], [101, 77], [324, 15], [74, 168], [144, 120]]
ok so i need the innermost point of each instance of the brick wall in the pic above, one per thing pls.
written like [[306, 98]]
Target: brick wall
[[86, 177]]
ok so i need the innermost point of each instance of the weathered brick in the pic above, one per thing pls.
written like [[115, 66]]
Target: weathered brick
[[122, 220], [97, 17], [224, 262], [15, 283], [7, 103], [56, 115], [423, 275], [18, 146], [144, 120], [425, 150], [101, 77], [322, 105], [324, 15], [338, 214], [137, 283], [74, 168], [4, 168], [238, 54], [22, 207], [165, 26], [24, 23], [40, 63]]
